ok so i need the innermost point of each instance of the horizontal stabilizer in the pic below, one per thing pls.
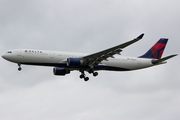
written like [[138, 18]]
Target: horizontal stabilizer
[[163, 59]]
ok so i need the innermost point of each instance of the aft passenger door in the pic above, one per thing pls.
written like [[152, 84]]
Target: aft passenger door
[[139, 62]]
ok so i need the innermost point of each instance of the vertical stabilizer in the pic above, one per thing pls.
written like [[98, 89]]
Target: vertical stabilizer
[[157, 50]]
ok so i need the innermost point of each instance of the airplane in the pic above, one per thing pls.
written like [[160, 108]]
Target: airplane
[[65, 62]]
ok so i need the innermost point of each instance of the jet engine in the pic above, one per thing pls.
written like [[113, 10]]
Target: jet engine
[[60, 71], [74, 62]]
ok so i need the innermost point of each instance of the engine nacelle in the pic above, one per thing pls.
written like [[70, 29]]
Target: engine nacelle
[[74, 62], [60, 71]]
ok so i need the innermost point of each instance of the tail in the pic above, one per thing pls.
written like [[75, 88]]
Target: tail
[[157, 50]]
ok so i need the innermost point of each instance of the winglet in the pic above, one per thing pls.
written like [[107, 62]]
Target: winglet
[[141, 36]]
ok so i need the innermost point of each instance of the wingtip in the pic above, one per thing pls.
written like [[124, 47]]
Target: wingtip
[[141, 36]]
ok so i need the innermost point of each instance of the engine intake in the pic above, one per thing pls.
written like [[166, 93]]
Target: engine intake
[[74, 62], [60, 71]]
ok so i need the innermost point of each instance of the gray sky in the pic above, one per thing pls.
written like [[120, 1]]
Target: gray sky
[[89, 26]]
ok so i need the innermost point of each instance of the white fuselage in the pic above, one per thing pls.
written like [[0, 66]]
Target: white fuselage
[[58, 59]]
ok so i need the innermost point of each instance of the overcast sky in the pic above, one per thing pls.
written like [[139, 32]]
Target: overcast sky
[[89, 26]]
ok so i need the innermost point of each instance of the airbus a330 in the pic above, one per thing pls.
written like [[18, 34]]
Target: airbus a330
[[65, 62]]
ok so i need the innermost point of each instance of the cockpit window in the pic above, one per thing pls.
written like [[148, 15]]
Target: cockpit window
[[9, 52]]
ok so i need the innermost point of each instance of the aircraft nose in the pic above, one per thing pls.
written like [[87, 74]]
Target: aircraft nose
[[3, 56], [9, 57]]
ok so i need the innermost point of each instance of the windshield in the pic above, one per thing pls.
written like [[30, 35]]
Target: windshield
[[9, 52]]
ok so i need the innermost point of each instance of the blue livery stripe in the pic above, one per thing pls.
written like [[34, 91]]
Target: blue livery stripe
[[64, 65]]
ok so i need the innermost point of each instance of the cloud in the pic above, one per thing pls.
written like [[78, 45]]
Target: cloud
[[89, 27]]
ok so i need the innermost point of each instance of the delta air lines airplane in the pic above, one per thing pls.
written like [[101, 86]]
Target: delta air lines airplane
[[65, 62]]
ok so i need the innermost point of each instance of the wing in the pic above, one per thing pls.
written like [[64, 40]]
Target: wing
[[94, 59]]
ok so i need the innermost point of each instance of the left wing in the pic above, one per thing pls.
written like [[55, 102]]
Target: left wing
[[94, 59]]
